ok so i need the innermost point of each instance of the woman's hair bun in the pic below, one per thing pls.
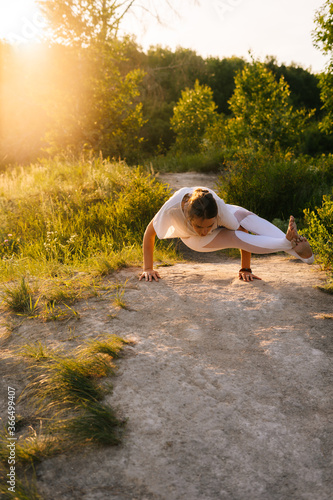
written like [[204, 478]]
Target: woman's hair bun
[[202, 204]]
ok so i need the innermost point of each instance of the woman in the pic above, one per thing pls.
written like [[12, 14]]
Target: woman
[[205, 223]]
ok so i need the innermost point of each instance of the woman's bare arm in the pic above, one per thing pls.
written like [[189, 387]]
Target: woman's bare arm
[[245, 273], [148, 255]]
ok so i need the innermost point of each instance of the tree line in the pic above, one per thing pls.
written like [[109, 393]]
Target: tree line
[[85, 90]]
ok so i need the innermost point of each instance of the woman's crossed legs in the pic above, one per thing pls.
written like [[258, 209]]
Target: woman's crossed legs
[[267, 238]]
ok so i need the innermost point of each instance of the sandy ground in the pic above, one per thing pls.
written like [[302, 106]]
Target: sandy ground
[[227, 388]]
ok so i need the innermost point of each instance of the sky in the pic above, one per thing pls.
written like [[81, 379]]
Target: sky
[[218, 28]]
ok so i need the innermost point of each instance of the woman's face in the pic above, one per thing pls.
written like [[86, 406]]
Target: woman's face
[[202, 226]]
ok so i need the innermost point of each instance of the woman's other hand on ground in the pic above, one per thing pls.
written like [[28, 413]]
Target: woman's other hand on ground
[[247, 276], [149, 275]]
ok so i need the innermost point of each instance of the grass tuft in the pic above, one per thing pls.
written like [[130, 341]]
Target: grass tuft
[[98, 423], [118, 299], [111, 346], [35, 351], [19, 298], [61, 384], [64, 400], [328, 287], [53, 312], [65, 382], [24, 490]]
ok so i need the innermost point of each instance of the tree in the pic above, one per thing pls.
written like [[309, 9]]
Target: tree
[[82, 21], [323, 34], [303, 85], [98, 109], [92, 105], [167, 74], [323, 40], [220, 77], [262, 110], [194, 111]]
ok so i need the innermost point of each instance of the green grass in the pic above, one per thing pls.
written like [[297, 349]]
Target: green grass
[[32, 449], [118, 296], [205, 162], [64, 225], [59, 290], [63, 406], [110, 345], [19, 298], [64, 382], [54, 312], [328, 287], [58, 382], [24, 490], [53, 299], [97, 423], [61, 218], [35, 351]]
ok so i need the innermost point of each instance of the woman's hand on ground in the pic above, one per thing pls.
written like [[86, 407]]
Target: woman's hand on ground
[[248, 276], [149, 275]]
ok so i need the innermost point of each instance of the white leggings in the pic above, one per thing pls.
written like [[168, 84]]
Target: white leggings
[[267, 238]]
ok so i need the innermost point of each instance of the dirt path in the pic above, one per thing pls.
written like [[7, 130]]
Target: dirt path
[[188, 179], [227, 389]]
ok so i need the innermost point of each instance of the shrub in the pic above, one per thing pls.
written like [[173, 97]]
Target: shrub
[[208, 161], [275, 185], [135, 206], [319, 231]]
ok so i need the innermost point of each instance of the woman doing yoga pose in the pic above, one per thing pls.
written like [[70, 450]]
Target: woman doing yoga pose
[[205, 223]]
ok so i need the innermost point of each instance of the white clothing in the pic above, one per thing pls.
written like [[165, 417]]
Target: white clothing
[[170, 222]]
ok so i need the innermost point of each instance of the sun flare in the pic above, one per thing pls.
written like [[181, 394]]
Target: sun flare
[[20, 21]]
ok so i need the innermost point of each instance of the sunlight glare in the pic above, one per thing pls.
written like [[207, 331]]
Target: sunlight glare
[[20, 21]]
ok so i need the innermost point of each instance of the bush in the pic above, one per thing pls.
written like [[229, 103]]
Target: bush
[[319, 231], [275, 185], [135, 206]]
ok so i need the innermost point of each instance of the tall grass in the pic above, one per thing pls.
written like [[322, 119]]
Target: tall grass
[[64, 225], [58, 217]]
